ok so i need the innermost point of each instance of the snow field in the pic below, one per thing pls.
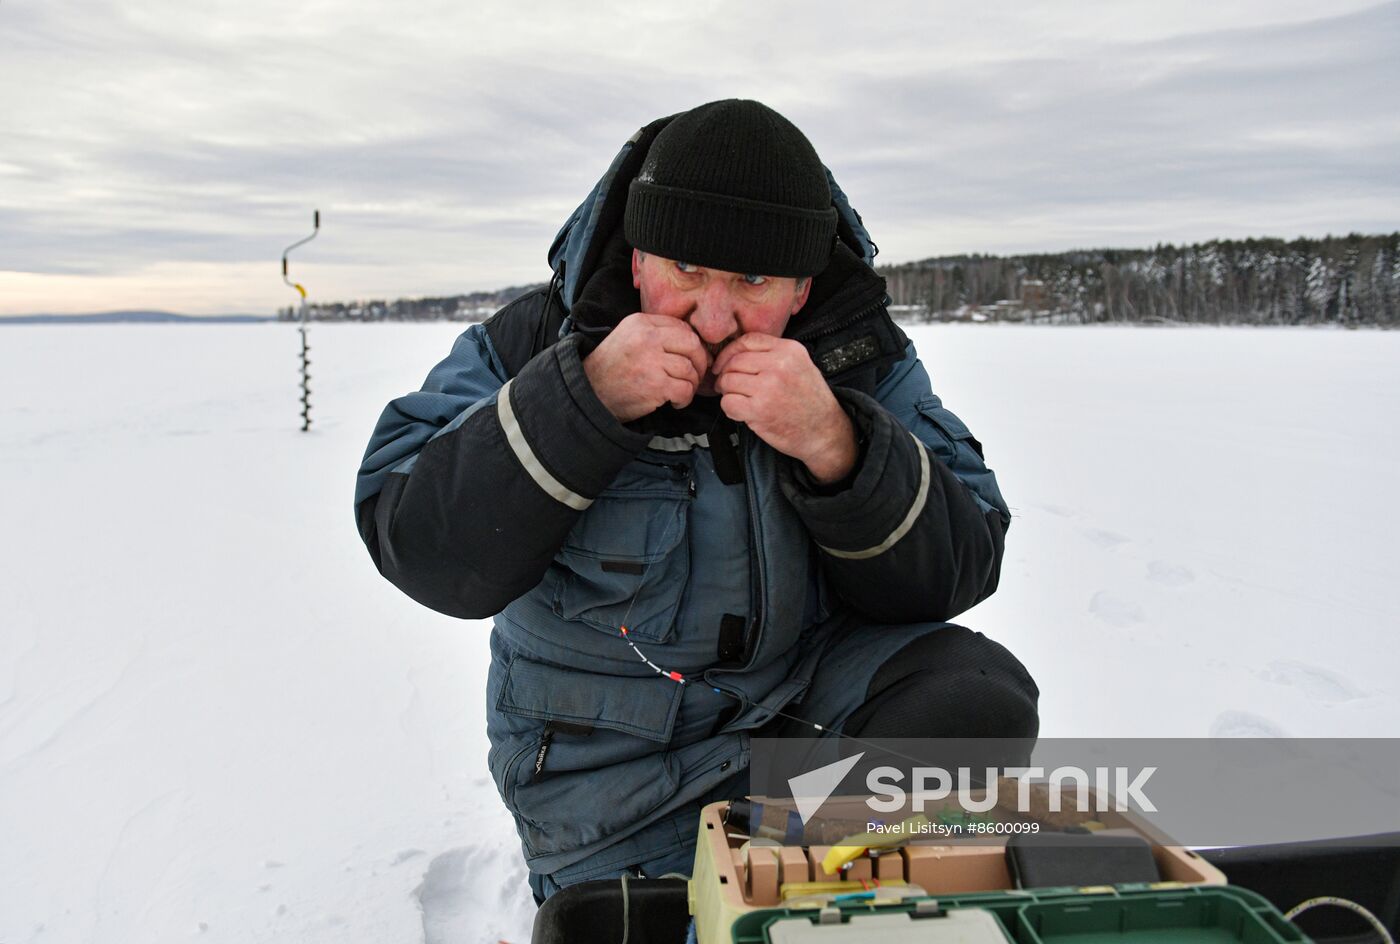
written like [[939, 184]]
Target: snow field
[[217, 722]]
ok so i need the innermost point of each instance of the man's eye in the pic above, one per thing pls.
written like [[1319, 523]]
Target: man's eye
[[755, 279], [685, 267]]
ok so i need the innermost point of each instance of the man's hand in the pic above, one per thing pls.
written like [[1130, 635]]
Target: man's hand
[[647, 360], [772, 385]]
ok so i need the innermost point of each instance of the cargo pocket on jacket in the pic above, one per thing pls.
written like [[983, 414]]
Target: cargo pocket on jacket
[[599, 761], [952, 429], [627, 558]]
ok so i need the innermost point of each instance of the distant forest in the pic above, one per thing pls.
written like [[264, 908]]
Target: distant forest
[[1344, 280], [476, 306]]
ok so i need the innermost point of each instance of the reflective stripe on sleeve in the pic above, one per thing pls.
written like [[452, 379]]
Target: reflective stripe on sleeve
[[914, 511], [516, 437]]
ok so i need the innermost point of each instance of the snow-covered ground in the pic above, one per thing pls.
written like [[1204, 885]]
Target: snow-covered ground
[[218, 723]]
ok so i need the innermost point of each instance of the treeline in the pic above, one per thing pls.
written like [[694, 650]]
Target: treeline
[[1349, 280], [1346, 280], [475, 306]]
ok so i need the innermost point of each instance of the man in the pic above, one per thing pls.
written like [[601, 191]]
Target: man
[[704, 487]]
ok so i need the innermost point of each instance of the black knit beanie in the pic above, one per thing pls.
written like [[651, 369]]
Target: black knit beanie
[[733, 185]]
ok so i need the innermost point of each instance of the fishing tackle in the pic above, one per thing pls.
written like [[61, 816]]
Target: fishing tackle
[[673, 676]]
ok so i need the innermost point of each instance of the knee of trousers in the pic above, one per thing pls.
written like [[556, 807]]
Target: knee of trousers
[[950, 682]]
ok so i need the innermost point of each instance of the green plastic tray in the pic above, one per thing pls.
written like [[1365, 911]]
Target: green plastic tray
[[1125, 914]]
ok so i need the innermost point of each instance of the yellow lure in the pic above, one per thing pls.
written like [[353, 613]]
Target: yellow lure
[[853, 847]]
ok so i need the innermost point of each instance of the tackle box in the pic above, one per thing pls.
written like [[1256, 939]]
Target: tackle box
[[733, 878], [1365, 869]]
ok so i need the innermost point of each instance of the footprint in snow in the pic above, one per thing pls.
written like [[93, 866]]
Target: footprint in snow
[[1242, 724], [444, 896], [1062, 511], [1106, 539], [1313, 681], [451, 893], [405, 855], [1114, 610], [1169, 575]]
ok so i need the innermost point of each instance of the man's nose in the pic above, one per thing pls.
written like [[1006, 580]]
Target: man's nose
[[715, 318]]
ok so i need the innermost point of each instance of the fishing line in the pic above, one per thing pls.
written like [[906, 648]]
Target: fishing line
[[641, 582]]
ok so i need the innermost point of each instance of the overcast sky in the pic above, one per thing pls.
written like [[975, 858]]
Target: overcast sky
[[161, 153]]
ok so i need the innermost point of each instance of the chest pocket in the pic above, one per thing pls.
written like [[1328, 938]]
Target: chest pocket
[[627, 559]]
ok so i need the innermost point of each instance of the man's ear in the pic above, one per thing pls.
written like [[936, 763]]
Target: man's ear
[[802, 293], [636, 268]]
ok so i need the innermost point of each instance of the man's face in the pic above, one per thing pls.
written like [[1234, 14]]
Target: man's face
[[718, 305]]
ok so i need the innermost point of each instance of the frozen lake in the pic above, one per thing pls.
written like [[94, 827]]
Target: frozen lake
[[218, 722]]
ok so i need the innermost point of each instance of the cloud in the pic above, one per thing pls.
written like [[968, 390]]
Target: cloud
[[1276, 124], [444, 143]]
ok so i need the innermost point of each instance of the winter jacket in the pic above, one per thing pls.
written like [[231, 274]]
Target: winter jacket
[[504, 488]]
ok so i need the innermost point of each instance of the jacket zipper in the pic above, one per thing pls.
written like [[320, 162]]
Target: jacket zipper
[[757, 577], [678, 469]]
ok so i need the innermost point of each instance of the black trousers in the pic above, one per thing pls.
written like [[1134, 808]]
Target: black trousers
[[951, 683]]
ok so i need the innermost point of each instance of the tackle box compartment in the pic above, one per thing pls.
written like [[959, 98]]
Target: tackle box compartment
[[1111, 915]]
